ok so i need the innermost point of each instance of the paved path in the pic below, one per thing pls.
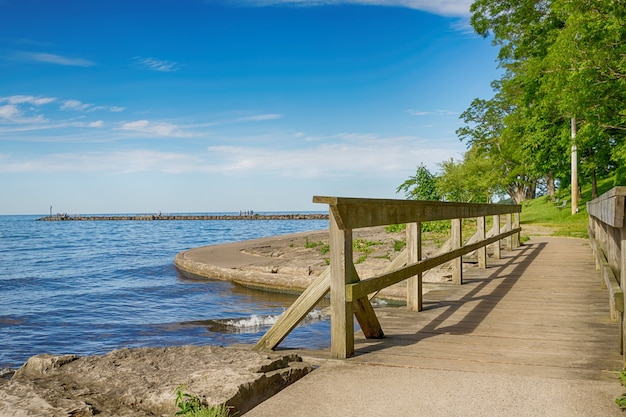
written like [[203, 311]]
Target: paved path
[[529, 336]]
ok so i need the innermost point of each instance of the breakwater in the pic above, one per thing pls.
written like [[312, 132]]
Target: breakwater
[[157, 217]]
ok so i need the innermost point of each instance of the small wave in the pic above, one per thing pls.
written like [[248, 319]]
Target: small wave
[[377, 302], [254, 323]]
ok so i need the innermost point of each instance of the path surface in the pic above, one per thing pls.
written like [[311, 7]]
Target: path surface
[[529, 336]]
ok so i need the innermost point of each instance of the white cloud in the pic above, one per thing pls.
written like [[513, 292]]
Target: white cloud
[[349, 154], [74, 105], [114, 162], [439, 7], [11, 114], [340, 156], [261, 117], [9, 111], [155, 128], [155, 64], [54, 59], [97, 123], [19, 99]]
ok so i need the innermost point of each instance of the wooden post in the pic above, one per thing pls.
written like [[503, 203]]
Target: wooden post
[[296, 312], [341, 266], [414, 251], [457, 242], [497, 253], [482, 252], [623, 283], [509, 227], [516, 237], [574, 167]]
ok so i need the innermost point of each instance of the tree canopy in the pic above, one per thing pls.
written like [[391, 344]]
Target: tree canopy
[[561, 59]]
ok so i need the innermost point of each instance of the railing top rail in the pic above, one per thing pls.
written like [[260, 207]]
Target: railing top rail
[[609, 207], [354, 213]]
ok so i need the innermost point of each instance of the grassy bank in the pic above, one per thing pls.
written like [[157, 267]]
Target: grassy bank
[[544, 211]]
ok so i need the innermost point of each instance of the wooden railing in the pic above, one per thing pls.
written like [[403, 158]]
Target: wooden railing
[[349, 293], [607, 234]]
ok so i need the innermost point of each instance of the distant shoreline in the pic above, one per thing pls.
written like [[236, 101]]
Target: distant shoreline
[[150, 217]]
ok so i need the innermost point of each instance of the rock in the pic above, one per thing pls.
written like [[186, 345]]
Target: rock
[[143, 381], [40, 365]]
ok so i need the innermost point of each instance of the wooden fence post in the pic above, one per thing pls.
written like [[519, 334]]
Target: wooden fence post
[[516, 237], [414, 251], [497, 253], [341, 271], [509, 227], [482, 252], [457, 242], [622, 283]]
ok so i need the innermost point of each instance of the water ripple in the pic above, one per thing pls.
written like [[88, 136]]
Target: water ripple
[[89, 287]]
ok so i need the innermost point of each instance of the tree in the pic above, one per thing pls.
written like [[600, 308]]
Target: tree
[[472, 180], [563, 59], [487, 135], [586, 68], [421, 186]]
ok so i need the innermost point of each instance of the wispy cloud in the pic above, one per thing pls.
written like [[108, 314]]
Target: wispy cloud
[[77, 105], [13, 113], [48, 58], [74, 105], [19, 99], [154, 64], [432, 113], [347, 154], [439, 7], [260, 117], [343, 155], [113, 162], [23, 113], [163, 129]]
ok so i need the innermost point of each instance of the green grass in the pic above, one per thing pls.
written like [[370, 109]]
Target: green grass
[[544, 212], [190, 405]]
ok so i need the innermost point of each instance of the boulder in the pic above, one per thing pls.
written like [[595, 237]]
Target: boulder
[[144, 381]]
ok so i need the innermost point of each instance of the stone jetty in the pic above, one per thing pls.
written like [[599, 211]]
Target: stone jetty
[[145, 217]]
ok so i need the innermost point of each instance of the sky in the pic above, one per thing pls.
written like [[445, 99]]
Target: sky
[[145, 106]]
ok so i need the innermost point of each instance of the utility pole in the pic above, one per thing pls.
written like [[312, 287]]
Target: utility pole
[[574, 184]]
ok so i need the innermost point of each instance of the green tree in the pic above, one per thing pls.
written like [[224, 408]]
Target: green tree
[[586, 78], [421, 186], [471, 180], [561, 59]]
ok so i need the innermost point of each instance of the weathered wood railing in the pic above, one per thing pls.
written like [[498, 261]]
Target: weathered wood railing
[[349, 294], [607, 234]]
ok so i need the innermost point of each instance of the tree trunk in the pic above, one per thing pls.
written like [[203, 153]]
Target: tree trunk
[[517, 194], [550, 188]]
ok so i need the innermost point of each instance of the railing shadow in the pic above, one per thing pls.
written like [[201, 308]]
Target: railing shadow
[[521, 257]]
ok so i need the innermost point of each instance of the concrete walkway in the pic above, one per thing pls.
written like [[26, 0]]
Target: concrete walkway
[[529, 336]]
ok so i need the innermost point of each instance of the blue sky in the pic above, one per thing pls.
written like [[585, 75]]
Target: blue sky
[[111, 106]]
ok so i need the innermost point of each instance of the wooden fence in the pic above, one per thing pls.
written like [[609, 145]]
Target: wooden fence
[[607, 234], [349, 294]]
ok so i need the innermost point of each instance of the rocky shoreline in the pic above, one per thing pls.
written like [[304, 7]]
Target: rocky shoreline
[[289, 263], [142, 381]]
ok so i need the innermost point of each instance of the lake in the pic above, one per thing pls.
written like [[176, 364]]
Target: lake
[[88, 287]]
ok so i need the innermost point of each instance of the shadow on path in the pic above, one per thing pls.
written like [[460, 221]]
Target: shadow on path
[[455, 298]]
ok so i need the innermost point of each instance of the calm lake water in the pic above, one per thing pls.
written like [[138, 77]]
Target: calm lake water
[[90, 287]]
